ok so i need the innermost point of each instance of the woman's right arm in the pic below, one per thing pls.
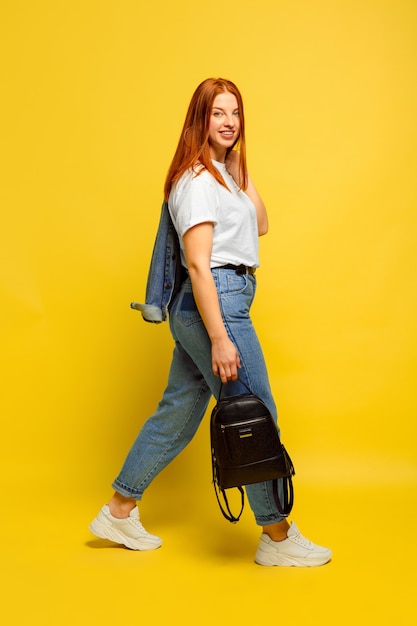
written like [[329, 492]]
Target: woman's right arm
[[198, 242]]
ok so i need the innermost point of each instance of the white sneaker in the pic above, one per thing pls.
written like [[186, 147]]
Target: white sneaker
[[295, 550], [128, 531]]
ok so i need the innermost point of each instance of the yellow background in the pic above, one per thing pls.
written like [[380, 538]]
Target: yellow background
[[94, 96]]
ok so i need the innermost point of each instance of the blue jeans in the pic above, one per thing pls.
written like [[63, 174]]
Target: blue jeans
[[191, 383]]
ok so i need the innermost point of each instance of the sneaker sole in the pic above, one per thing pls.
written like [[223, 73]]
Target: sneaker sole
[[271, 560], [105, 532]]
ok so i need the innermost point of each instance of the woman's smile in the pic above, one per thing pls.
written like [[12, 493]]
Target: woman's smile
[[224, 125]]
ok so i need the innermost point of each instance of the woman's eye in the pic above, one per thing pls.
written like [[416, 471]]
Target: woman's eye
[[216, 113]]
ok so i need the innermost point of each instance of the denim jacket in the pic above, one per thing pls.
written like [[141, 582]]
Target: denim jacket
[[165, 272]]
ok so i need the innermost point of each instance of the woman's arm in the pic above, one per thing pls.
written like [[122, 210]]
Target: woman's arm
[[198, 243], [261, 213], [232, 164]]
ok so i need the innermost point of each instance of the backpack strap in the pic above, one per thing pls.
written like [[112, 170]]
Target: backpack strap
[[229, 515], [217, 490], [223, 385], [286, 505]]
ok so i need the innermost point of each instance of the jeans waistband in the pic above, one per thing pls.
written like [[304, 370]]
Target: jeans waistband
[[239, 269]]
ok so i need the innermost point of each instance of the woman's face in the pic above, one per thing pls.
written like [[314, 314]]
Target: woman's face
[[224, 125]]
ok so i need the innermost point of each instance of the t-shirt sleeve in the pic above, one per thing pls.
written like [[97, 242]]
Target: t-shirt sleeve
[[197, 202]]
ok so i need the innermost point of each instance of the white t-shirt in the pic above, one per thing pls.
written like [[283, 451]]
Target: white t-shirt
[[197, 199]]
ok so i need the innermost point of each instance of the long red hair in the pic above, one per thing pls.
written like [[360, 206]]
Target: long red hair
[[193, 146]]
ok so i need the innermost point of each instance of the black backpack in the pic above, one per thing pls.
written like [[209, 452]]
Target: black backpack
[[246, 449]]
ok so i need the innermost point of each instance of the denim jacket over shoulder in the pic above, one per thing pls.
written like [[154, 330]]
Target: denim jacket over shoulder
[[164, 277]]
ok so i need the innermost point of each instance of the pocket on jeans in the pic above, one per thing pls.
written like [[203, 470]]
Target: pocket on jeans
[[187, 309], [236, 283]]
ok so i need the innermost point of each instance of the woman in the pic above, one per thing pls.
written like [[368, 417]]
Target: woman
[[218, 216]]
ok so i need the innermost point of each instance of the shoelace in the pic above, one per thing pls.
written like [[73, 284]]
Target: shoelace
[[135, 522], [302, 541]]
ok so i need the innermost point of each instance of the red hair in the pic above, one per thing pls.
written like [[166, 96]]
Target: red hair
[[193, 146]]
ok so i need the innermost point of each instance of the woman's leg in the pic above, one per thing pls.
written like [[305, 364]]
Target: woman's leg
[[280, 543]]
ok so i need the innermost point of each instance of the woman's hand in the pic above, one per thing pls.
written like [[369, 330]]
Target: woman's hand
[[225, 359]]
